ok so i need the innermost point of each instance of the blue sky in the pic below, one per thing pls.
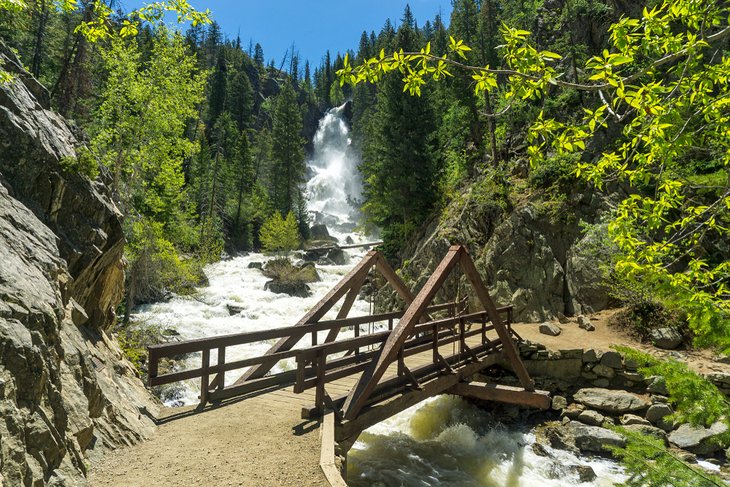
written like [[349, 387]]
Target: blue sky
[[314, 26]]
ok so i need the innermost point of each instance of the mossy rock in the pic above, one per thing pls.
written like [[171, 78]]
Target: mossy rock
[[298, 289], [284, 270]]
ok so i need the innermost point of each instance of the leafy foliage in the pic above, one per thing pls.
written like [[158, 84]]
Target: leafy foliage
[[696, 400], [83, 163], [663, 84], [156, 267], [280, 234], [648, 462]]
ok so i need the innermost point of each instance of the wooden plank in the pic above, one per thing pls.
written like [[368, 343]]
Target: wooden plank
[[347, 246], [204, 378], [510, 350], [314, 314], [369, 379], [346, 306], [200, 344], [500, 393], [278, 380], [327, 452]]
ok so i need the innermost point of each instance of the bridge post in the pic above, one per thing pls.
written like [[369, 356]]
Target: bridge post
[[205, 377]]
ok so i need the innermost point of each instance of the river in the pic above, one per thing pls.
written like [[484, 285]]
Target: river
[[444, 441]]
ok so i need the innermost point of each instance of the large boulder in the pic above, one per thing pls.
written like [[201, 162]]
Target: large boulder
[[550, 329], [658, 411], [292, 288], [611, 401], [320, 232], [66, 391], [526, 257], [698, 440], [338, 256], [593, 439], [667, 338]]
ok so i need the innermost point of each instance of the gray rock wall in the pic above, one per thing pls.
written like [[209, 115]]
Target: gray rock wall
[[66, 392], [527, 259]]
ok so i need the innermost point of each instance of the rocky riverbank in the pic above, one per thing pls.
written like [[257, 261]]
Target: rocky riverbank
[[595, 389]]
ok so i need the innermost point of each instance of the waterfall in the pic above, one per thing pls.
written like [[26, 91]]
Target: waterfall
[[334, 183]]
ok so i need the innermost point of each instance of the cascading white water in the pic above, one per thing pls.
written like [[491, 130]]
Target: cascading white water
[[335, 181], [441, 442], [447, 442]]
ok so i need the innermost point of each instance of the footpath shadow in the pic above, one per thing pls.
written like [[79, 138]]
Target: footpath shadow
[[193, 410]]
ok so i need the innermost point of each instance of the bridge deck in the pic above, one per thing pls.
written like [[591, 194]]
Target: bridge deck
[[254, 440]]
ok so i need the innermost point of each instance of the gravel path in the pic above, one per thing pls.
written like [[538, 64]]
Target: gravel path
[[259, 441]]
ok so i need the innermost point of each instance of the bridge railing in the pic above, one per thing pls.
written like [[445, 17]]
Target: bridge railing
[[314, 370], [216, 389]]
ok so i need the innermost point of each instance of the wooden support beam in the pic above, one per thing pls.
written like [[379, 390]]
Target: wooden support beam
[[500, 393], [352, 280], [346, 306], [327, 461], [412, 378], [314, 314], [378, 412], [445, 364], [510, 350], [369, 379], [394, 280], [426, 373]]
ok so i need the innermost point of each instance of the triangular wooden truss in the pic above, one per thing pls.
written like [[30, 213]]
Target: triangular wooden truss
[[457, 255], [349, 287]]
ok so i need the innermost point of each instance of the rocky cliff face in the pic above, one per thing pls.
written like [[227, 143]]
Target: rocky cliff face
[[540, 263], [66, 392]]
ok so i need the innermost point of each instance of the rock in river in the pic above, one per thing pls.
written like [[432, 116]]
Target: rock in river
[[611, 401]]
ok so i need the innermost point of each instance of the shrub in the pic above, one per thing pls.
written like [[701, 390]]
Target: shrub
[[280, 234], [155, 268], [556, 174], [642, 316], [83, 163]]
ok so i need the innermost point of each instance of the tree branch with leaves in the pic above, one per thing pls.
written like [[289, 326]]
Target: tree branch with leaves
[[663, 83]]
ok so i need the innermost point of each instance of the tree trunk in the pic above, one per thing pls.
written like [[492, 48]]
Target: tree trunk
[[75, 82], [40, 37], [491, 128]]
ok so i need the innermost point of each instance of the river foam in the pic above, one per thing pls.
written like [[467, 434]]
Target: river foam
[[446, 441], [232, 283]]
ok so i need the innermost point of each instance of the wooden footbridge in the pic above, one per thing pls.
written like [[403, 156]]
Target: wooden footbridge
[[373, 372]]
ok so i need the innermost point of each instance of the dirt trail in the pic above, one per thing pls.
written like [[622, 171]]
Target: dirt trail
[[260, 441], [605, 336]]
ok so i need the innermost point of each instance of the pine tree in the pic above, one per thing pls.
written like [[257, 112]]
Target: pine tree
[[258, 56], [218, 90], [240, 99], [287, 171], [280, 234], [399, 170], [242, 173]]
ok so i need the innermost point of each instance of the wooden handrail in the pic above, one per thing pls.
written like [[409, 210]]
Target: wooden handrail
[[220, 343], [198, 345], [352, 343], [440, 336]]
